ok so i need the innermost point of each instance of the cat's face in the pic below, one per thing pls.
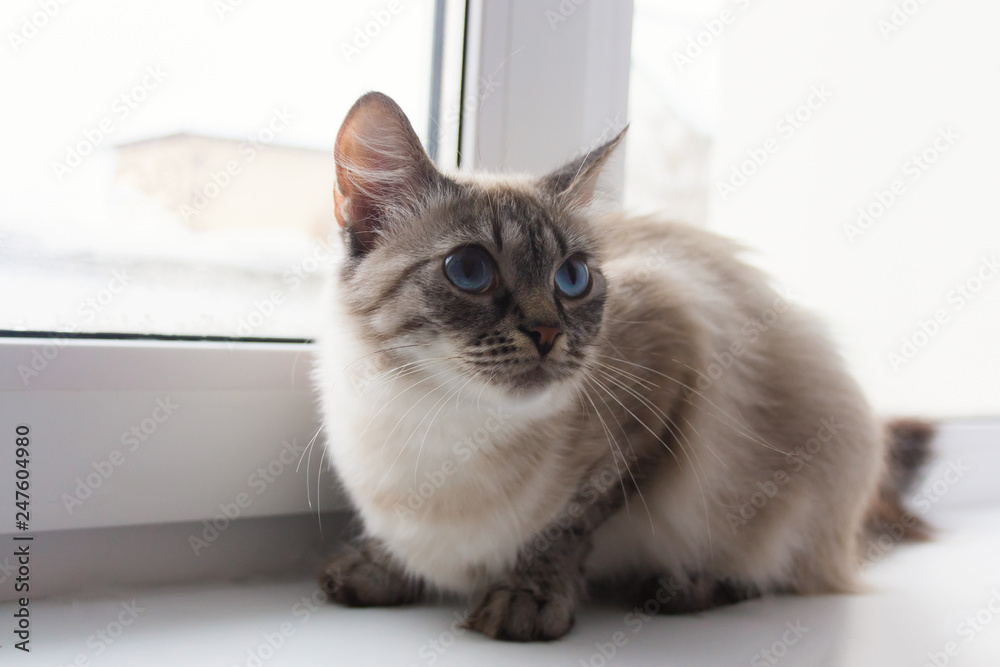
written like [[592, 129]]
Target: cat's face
[[493, 282], [498, 281]]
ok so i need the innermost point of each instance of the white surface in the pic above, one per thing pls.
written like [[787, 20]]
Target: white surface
[[237, 408], [556, 78], [920, 596], [890, 96], [146, 432]]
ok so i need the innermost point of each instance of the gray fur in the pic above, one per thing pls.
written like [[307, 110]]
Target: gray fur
[[634, 441], [363, 574]]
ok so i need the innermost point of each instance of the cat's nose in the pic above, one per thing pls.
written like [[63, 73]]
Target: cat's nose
[[543, 335]]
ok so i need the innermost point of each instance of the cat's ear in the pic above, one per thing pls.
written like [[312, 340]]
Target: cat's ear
[[575, 182], [382, 170]]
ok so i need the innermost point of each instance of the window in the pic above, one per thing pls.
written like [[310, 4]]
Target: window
[[159, 461], [171, 169], [860, 178], [238, 404]]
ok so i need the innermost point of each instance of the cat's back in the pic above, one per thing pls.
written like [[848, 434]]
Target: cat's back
[[761, 377], [638, 248]]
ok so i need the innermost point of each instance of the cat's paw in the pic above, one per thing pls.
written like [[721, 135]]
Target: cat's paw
[[355, 577], [523, 613]]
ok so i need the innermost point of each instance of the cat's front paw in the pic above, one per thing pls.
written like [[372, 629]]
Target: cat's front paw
[[523, 613], [358, 576]]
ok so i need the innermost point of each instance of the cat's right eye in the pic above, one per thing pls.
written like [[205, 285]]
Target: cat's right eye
[[471, 269], [573, 278]]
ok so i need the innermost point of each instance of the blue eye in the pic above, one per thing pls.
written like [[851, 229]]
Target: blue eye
[[470, 269], [573, 278]]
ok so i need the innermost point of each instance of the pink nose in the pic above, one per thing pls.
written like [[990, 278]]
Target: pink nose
[[544, 336]]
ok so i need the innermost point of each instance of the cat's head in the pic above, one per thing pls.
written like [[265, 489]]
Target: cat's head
[[496, 279]]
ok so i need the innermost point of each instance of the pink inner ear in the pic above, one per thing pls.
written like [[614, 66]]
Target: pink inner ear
[[350, 164], [380, 164], [353, 161], [338, 203]]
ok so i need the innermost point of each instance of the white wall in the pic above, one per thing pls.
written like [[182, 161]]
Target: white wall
[[891, 96]]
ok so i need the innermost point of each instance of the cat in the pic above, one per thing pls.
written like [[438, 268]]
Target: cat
[[524, 397]]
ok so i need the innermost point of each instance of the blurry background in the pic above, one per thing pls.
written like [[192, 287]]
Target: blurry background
[[853, 147], [167, 168], [186, 148]]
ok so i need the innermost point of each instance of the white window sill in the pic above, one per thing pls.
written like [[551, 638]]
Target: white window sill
[[138, 529], [920, 596]]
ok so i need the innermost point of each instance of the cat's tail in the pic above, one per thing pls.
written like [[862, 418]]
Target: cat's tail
[[909, 450]]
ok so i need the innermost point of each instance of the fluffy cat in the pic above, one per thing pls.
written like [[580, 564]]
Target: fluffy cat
[[522, 396]]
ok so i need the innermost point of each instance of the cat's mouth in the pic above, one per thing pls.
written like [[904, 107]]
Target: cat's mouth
[[525, 374]]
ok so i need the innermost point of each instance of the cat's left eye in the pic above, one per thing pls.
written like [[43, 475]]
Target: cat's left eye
[[573, 278], [470, 269]]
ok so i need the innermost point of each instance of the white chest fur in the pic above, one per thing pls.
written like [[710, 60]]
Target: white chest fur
[[449, 477]]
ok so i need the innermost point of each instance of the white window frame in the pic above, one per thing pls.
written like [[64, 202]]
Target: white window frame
[[241, 400]]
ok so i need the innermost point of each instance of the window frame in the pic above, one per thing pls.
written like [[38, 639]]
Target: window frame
[[253, 383]]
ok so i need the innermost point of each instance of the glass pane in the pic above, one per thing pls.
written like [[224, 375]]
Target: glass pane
[[171, 168], [858, 164], [673, 109]]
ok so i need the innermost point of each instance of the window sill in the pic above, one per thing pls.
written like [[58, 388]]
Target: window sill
[[132, 538], [919, 598]]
